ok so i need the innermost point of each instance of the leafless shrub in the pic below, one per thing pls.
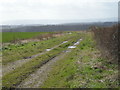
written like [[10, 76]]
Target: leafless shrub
[[107, 41]]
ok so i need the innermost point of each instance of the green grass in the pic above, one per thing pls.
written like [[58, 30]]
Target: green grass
[[19, 74], [21, 51], [0, 36], [77, 70], [11, 36]]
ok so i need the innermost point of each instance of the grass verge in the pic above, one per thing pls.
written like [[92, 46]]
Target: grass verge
[[83, 68]]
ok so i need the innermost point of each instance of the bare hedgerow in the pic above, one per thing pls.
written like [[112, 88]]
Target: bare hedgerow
[[107, 41]]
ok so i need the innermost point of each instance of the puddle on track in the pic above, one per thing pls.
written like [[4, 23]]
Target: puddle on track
[[77, 43]]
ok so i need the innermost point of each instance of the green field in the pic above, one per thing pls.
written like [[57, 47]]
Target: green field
[[79, 67], [11, 36]]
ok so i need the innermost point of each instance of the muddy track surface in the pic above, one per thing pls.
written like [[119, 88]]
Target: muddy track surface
[[36, 79], [13, 65]]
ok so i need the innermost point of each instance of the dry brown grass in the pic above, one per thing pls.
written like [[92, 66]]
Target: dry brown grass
[[107, 41], [49, 35]]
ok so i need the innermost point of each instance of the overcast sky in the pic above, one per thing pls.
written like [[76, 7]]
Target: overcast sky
[[12, 10]]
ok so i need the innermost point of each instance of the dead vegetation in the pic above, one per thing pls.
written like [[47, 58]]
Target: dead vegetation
[[107, 41], [49, 35], [39, 37]]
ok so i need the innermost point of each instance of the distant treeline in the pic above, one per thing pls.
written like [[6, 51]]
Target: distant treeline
[[52, 28]]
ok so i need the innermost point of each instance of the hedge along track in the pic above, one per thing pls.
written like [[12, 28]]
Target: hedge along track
[[13, 65], [15, 77]]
